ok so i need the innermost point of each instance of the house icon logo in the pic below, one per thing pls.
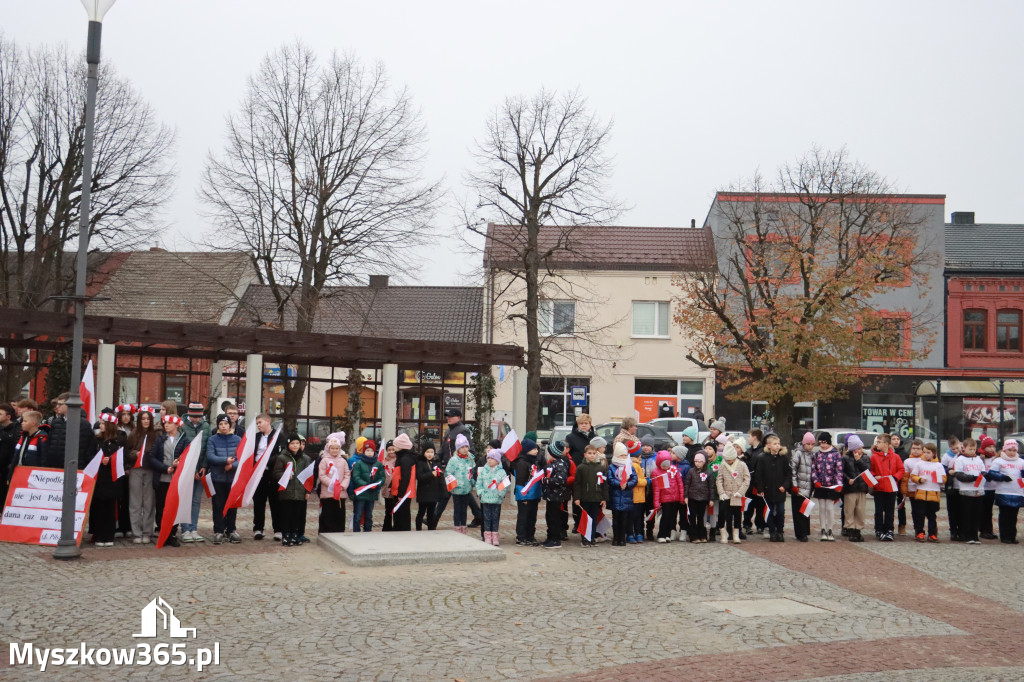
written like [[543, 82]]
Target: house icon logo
[[158, 615]]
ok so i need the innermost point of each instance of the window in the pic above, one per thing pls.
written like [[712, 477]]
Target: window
[[974, 329], [556, 401], [650, 318], [1008, 330], [890, 336], [557, 318]]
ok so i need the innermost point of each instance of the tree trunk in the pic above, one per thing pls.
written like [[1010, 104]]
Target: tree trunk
[[782, 410]]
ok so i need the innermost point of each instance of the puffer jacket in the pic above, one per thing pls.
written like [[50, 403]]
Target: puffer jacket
[[324, 473], [524, 468], [365, 471], [559, 479], [429, 480], [852, 470], [294, 491], [620, 499], [773, 472], [675, 490], [733, 485], [827, 471], [589, 486], [800, 463], [697, 488], [219, 448], [484, 476], [884, 464], [462, 469], [640, 489]]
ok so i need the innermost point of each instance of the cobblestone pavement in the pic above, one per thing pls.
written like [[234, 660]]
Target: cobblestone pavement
[[899, 610]]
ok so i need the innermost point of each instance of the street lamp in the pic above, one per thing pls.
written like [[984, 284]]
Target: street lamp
[[67, 548]]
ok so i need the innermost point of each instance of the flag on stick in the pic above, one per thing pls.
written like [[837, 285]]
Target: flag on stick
[[510, 446], [244, 466], [979, 480], [650, 515], [178, 503], [746, 503], [117, 470], [208, 485], [307, 477], [586, 526], [87, 391], [869, 477], [398, 504], [363, 488], [806, 506], [261, 465], [93, 467], [529, 484], [504, 483], [142, 453]]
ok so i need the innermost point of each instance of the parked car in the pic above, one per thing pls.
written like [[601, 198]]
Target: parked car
[[676, 425], [560, 433], [662, 439], [315, 431], [839, 436]]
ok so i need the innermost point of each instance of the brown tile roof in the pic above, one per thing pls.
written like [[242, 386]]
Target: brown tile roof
[[606, 247], [174, 286], [404, 312]]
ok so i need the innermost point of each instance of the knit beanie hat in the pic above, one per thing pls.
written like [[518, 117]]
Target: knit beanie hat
[[690, 431], [368, 445], [730, 453], [681, 452], [359, 443], [556, 447], [741, 444], [633, 447], [825, 437], [647, 440], [1011, 444], [403, 442], [619, 449], [984, 442], [495, 454], [721, 439], [338, 436], [529, 446], [597, 442], [808, 439], [496, 443], [854, 442], [293, 436], [699, 459], [461, 441], [718, 425]]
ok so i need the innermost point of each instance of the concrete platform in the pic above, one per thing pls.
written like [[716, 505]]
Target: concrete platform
[[409, 547]]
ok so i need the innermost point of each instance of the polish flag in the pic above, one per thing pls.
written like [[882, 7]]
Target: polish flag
[[934, 476], [260, 467], [93, 467], [806, 506], [837, 488], [1020, 482], [87, 391], [334, 488], [603, 524], [382, 453], [650, 515], [142, 453], [767, 510], [711, 508], [869, 477], [529, 484], [624, 474], [306, 477], [665, 480], [510, 446], [286, 477], [117, 470], [586, 526], [406, 496], [504, 483], [369, 486], [244, 467], [450, 482], [600, 478], [979, 480], [178, 504], [373, 471], [746, 503], [208, 485]]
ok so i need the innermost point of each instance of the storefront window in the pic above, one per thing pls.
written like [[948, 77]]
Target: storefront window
[[561, 399], [666, 398]]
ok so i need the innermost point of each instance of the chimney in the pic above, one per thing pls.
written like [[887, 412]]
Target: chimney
[[963, 217], [693, 222], [378, 281]]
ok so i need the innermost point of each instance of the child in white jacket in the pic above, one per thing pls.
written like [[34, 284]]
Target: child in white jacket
[[1005, 472]]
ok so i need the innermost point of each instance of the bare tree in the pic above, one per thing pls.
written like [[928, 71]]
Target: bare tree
[[791, 313], [320, 182], [42, 130], [540, 173]]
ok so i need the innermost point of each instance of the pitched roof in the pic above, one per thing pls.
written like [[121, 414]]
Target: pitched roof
[[174, 286], [987, 247], [404, 312], [605, 247]]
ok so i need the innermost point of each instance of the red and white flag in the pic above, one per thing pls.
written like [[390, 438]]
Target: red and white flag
[[603, 524], [529, 484], [437, 471], [382, 453], [450, 482], [93, 467], [767, 510], [806, 506], [334, 487], [510, 446], [117, 464], [665, 481], [837, 488], [979, 480], [1020, 482], [586, 527], [624, 474], [261, 465], [504, 483], [363, 488], [286, 477], [87, 391], [600, 478], [934, 476], [406, 496], [142, 453], [307, 477], [746, 503], [244, 467], [869, 477], [178, 503], [650, 515], [711, 508], [208, 485]]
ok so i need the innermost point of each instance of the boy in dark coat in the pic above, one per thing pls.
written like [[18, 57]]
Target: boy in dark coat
[[772, 478], [558, 481]]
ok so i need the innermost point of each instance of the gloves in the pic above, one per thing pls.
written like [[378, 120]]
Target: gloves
[[795, 490], [817, 485], [725, 497]]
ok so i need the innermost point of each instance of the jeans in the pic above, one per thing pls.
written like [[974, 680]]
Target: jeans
[[362, 509], [222, 523], [777, 517], [197, 499], [885, 505], [526, 519], [492, 515], [443, 503], [459, 505]]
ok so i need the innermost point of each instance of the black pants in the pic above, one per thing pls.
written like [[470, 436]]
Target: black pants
[[647, 509], [526, 519], [917, 514], [620, 522], [102, 519], [492, 517], [266, 492], [953, 511], [801, 523], [929, 513], [970, 510], [332, 515], [402, 519], [1008, 523], [161, 502], [124, 521], [777, 517], [389, 505], [593, 510], [426, 514], [755, 513], [885, 506], [696, 528], [293, 512], [733, 514], [669, 513], [576, 507], [901, 511], [985, 520], [555, 517], [638, 520]]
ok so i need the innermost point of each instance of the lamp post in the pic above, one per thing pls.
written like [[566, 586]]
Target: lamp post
[[67, 548]]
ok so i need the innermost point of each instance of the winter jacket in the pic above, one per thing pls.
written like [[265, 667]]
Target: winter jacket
[[619, 498], [9, 438], [852, 470], [279, 447], [885, 464], [341, 469], [484, 476], [189, 431], [588, 486], [105, 488], [294, 491], [429, 480], [800, 464], [218, 449], [928, 489], [158, 460], [32, 450], [1005, 472], [447, 450], [365, 471], [698, 489], [675, 491], [827, 471], [773, 472], [58, 437], [404, 474], [462, 469], [641, 487], [733, 485], [389, 471], [560, 475], [524, 468], [577, 441], [752, 457]]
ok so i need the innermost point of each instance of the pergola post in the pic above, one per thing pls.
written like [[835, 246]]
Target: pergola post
[[519, 400], [106, 358], [253, 386], [218, 388], [389, 401]]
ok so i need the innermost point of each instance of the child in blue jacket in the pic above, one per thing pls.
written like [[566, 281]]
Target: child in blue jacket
[[620, 492], [524, 469]]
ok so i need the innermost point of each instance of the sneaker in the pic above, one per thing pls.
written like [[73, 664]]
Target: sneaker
[[933, 538], [988, 536], [197, 537], [234, 538], [277, 537], [303, 539], [257, 535], [830, 537], [886, 537], [188, 536], [118, 534], [552, 544], [824, 536], [662, 540], [973, 542], [218, 538], [475, 523], [920, 537], [172, 542], [803, 538], [765, 533], [522, 543], [532, 543], [844, 532], [137, 541], [631, 539]]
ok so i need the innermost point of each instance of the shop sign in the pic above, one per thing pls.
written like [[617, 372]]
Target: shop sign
[[897, 419]]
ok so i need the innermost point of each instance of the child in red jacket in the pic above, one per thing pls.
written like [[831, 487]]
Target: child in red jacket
[[887, 467], [668, 495]]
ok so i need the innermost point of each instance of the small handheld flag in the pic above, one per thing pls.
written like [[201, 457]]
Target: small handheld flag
[[767, 510], [979, 480], [624, 475], [934, 476], [450, 482], [806, 506], [405, 497], [746, 503], [142, 453], [208, 485], [286, 477], [117, 470], [665, 481], [510, 446], [650, 515], [307, 477], [586, 526], [869, 477], [93, 467], [504, 483], [529, 484], [363, 488]]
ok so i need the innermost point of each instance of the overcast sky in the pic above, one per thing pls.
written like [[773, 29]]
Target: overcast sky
[[927, 93]]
